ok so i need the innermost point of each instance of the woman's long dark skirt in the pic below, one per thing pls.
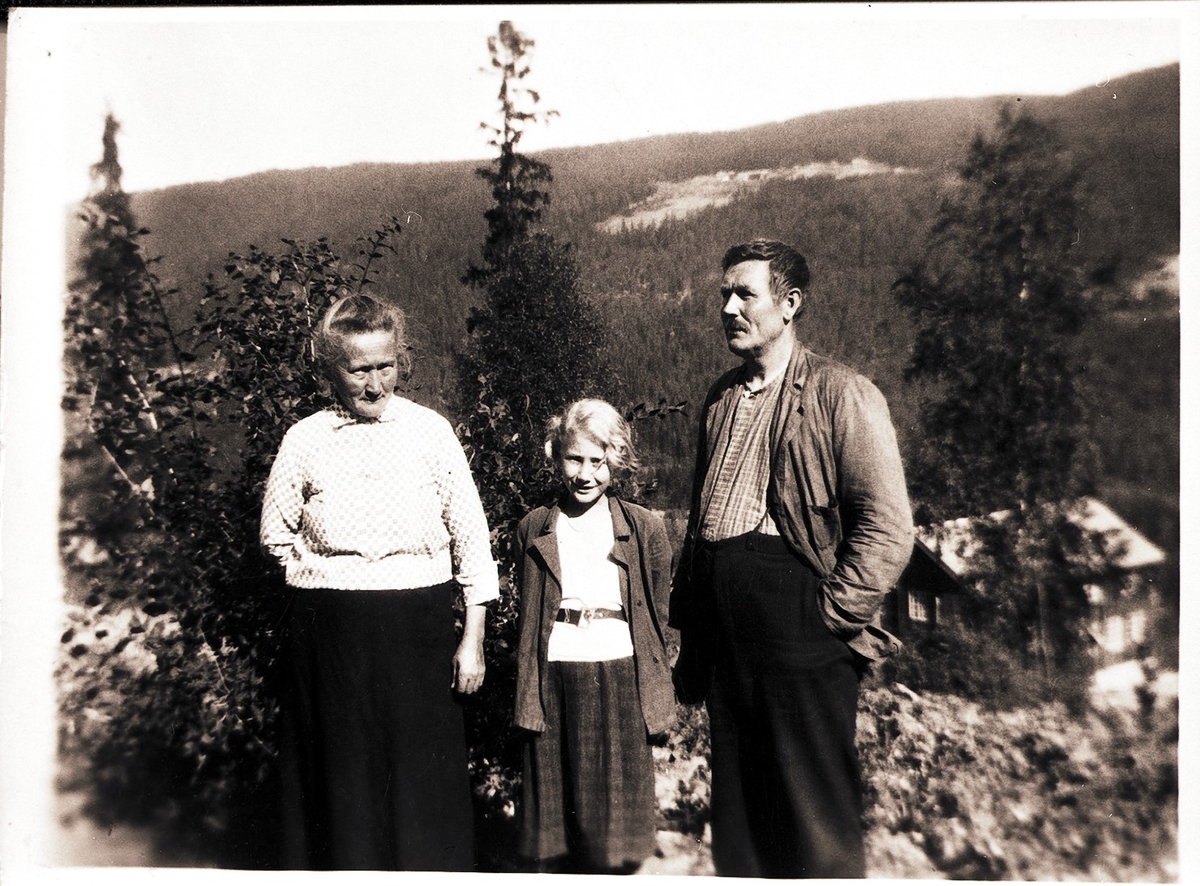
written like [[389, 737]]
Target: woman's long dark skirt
[[588, 790], [373, 753]]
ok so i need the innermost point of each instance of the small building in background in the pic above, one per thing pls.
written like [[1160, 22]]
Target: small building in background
[[1125, 606], [1124, 611]]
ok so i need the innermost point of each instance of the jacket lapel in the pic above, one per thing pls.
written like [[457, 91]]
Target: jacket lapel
[[624, 546], [546, 546], [789, 409]]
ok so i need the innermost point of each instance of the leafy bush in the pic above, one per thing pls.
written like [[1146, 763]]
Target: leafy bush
[[174, 735], [1030, 794], [167, 699]]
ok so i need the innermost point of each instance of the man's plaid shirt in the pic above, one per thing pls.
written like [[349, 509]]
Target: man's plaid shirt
[[734, 499]]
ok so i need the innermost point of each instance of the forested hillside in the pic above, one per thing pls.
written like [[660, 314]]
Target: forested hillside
[[656, 287]]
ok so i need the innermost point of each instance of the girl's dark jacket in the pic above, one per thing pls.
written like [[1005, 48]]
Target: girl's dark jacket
[[643, 553]]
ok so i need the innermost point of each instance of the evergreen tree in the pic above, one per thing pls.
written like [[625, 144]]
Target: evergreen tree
[[997, 299], [535, 344], [517, 180], [116, 327]]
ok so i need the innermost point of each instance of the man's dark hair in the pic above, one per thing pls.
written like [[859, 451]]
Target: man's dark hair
[[788, 268]]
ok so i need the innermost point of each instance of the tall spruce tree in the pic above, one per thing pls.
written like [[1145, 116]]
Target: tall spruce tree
[[997, 300], [517, 181], [115, 324], [534, 346], [535, 343]]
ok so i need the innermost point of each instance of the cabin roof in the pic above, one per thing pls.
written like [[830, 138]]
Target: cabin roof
[[955, 542]]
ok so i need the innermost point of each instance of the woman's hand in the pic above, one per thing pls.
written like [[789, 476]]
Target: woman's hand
[[468, 660], [468, 667]]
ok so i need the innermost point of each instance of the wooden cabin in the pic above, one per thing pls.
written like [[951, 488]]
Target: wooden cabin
[[1125, 605]]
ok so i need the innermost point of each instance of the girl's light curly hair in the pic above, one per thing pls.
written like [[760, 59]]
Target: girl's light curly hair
[[599, 422]]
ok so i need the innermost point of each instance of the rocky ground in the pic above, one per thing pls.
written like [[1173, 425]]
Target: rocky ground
[[954, 791]]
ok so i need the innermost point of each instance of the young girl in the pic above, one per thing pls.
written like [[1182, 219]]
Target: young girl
[[593, 681]]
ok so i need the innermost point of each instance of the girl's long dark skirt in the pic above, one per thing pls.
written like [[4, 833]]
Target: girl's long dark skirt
[[588, 790], [373, 752]]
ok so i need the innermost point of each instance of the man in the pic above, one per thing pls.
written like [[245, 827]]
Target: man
[[800, 524]]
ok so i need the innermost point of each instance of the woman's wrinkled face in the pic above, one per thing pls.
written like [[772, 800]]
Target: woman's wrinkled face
[[585, 470], [365, 377]]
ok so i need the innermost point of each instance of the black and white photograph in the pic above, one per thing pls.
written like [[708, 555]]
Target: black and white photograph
[[843, 341]]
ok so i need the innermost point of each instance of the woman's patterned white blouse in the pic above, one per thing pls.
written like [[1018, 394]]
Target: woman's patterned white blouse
[[361, 504]]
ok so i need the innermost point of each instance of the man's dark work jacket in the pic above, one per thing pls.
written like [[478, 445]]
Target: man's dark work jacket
[[837, 494]]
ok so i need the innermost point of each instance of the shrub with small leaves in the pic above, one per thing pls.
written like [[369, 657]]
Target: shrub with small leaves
[[1033, 793], [167, 698]]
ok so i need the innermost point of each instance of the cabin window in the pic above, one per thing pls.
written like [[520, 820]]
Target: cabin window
[[920, 605], [1137, 626]]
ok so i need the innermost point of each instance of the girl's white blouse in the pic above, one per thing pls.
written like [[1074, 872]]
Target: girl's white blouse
[[591, 579]]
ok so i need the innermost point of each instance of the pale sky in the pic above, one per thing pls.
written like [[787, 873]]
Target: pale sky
[[207, 94]]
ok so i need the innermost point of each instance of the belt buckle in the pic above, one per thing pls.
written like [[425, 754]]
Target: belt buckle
[[578, 616]]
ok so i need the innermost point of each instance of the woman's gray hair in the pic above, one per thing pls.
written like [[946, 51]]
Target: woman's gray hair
[[599, 422], [356, 315]]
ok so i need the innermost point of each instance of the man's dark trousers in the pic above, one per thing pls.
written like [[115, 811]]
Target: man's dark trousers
[[786, 786]]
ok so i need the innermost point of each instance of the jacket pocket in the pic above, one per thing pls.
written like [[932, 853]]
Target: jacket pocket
[[826, 525]]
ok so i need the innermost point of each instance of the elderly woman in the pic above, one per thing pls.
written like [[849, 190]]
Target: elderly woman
[[372, 512]]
